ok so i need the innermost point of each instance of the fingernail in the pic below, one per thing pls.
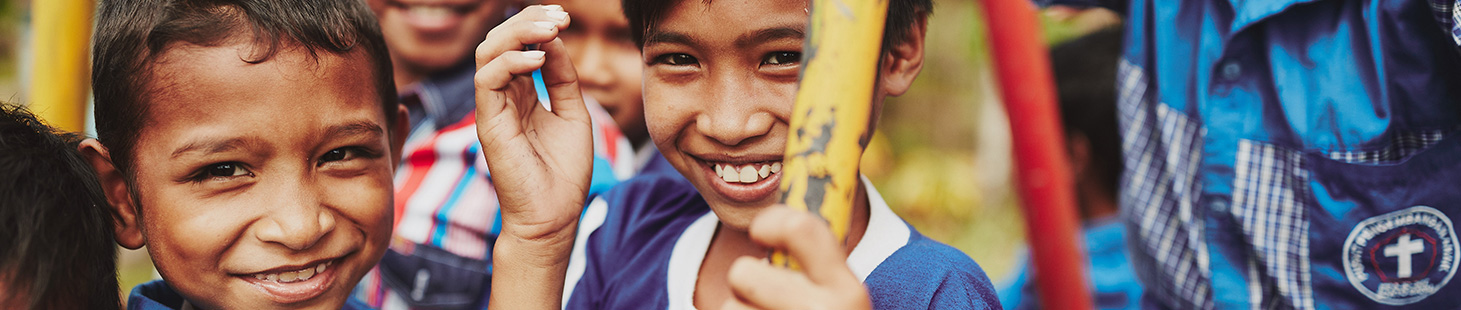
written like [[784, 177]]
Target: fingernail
[[558, 15], [546, 25], [553, 7], [534, 54]]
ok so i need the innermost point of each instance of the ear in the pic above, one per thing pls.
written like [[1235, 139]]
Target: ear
[[119, 195], [902, 61], [399, 131]]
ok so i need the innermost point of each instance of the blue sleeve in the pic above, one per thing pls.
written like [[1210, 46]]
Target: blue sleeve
[[926, 274], [963, 290]]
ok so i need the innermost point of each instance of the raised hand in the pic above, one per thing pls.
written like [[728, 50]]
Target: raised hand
[[541, 160], [825, 283]]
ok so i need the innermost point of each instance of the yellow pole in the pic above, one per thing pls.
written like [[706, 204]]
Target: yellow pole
[[61, 74], [829, 124]]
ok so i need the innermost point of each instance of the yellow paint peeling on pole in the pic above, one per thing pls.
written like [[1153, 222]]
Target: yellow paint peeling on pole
[[61, 76], [829, 124]]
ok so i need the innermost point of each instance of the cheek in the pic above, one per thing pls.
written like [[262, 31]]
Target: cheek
[[665, 114], [365, 201], [190, 232]]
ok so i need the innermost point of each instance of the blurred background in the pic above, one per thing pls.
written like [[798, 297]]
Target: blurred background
[[941, 157]]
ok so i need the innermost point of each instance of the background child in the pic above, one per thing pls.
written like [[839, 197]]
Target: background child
[[1085, 73], [446, 204], [720, 79], [57, 250], [609, 69], [249, 145]]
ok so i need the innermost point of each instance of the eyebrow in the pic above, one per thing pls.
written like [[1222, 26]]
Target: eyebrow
[[212, 147], [359, 128], [670, 37], [757, 37], [770, 34]]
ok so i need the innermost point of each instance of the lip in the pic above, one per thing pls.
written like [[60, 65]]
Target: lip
[[740, 192], [293, 292], [428, 24]]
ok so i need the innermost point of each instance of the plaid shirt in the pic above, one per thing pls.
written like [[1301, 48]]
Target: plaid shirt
[[1223, 105], [445, 202]]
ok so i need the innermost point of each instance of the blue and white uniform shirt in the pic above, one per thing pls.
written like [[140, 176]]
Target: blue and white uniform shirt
[[641, 246], [1292, 154]]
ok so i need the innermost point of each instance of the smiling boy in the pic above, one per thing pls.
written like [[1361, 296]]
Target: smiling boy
[[720, 78], [249, 145]]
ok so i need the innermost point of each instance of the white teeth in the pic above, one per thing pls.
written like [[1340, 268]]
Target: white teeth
[[306, 273], [728, 174], [748, 175], [430, 11], [294, 276]]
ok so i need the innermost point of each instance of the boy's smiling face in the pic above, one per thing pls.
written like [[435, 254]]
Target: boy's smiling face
[[720, 79], [262, 185]]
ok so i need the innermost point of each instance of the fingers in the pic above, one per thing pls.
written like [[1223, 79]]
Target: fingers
[[534, 25], [756, 284], [562, 82], [497, 75], [806, 238]]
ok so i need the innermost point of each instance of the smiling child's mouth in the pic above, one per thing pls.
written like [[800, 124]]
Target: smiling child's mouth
[[295, 284], [295, 275], [746, 173]]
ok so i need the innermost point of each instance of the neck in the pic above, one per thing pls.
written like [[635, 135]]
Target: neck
[[1095, 203]]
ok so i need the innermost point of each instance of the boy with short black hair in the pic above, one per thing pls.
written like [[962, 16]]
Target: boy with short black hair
[[720, 79], [57, 251], [249, 145]]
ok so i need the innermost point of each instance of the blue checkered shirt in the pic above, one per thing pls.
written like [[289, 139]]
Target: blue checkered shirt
[[1222, 101]]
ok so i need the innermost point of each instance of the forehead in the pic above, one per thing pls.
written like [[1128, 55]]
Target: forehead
[[728, 19], [221, 86]]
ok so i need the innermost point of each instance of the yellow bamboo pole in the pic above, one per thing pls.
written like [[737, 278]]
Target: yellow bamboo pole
[[829, 124], [61, 74]]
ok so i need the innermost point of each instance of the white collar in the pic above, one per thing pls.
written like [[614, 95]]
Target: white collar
[[886, 233]]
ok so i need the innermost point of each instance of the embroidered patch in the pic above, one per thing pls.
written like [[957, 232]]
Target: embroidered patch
[[1401, 257]]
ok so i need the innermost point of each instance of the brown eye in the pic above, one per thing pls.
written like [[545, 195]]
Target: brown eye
[[782, 58], [342, 154], [225, 170], [676, 59]]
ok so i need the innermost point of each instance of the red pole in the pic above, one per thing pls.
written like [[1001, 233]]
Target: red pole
[[1044, 179]]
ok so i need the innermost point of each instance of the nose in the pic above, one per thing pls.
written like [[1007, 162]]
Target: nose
[[298, 220], [734, 111], [593, 69]]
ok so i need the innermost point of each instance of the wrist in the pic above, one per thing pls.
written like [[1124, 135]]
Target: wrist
[[538, 243]]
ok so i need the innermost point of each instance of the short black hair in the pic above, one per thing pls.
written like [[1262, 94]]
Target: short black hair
[[902, 16], [57, 251], [1085, 79], [132, 34]]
